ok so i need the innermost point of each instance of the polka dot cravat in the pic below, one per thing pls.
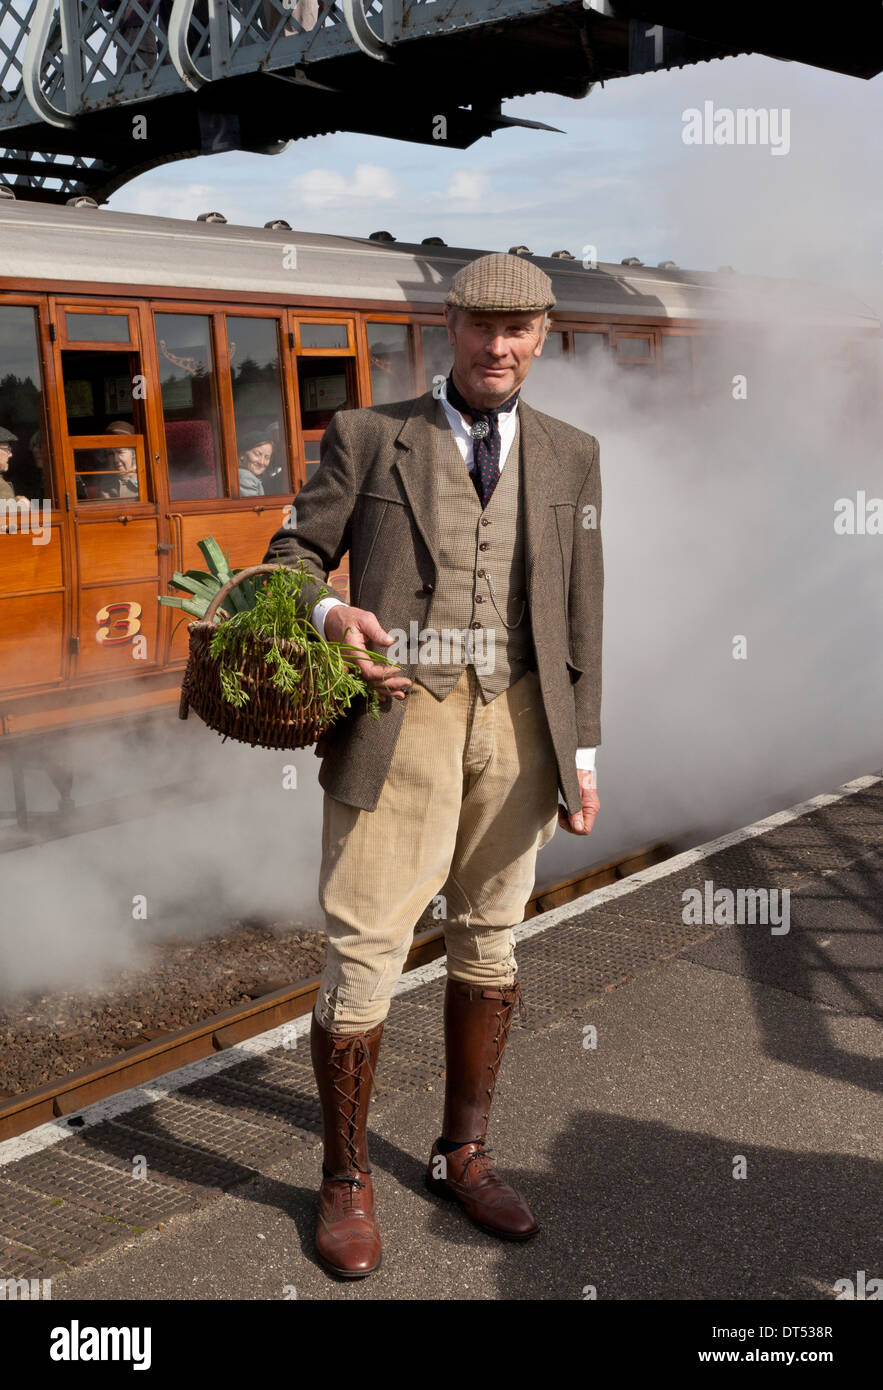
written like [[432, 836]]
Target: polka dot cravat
[[486, 444]]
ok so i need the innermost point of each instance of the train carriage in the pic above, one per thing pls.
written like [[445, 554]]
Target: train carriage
[[161, 381]]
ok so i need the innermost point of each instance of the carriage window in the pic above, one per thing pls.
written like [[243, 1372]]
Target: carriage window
[[437, 352], [187, 383], [108, 474], [324, 335], [261, 443], [98, 388], [553, 347], [24, 458], [390, 362], [634, 349], [590, 349], [326, 384], [97, 328]]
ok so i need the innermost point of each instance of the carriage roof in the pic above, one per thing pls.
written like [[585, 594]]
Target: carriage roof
[[46, 242]]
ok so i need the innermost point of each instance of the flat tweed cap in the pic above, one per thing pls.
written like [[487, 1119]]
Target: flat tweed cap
[[499, 282]]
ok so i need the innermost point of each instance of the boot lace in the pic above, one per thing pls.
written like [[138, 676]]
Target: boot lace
[[352, 1200], [484, 1155], [504, 1023], [349, 1062]]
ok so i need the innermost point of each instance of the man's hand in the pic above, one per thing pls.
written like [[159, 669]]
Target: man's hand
[[582, 821], [360, 628]]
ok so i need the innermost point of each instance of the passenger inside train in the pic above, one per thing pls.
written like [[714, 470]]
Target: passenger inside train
[[121, 480], [255, 457], [7, 441]]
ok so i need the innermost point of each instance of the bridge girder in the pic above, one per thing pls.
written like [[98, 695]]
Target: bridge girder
[[95, 92]]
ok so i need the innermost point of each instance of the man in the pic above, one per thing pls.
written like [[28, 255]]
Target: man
[[466, 513], [122, 466], [7, 443]]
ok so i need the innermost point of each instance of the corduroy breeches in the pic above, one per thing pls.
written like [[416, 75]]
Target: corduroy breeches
[[470, 799]]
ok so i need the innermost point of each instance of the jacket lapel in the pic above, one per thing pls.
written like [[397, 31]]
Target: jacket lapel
[[413, 461], [544, 479]]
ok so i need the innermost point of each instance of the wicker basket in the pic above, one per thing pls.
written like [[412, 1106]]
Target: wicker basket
[[270, 718]]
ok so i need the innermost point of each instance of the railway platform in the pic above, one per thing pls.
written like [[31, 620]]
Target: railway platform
[[692, 1108]]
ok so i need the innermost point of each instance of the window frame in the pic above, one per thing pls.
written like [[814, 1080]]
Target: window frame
[[50, 386], [402, 321], [287, 379], [647, 335], [299, 319], [123, 310], [223, 422], [112, 441]]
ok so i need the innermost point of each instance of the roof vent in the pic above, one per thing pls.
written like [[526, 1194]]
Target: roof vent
[[433, 241], [631, 260], [520, 251], [562, 256], [381, 236], [278, 225], [6, 191], [81, 200], [668, 265], [211, 217]]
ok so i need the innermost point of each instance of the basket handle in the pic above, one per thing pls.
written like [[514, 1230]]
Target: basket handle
[[231, 584]]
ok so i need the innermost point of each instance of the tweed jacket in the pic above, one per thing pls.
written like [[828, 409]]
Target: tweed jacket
[[373, 495]]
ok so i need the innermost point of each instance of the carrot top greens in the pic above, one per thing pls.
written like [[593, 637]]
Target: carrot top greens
[[265, 609]]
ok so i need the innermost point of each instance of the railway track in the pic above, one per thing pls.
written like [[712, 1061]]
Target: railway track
[[160, 1053]]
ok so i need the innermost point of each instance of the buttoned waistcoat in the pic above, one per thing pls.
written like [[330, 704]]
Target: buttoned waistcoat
[[375, 495], [480, 589]]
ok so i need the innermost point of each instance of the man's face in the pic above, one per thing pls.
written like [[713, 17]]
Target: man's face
[[5, 456], [493, 351], [122, 460]]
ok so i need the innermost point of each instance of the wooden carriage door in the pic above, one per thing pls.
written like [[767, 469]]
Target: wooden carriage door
[[111, 488], [331, 375], [231, 443]]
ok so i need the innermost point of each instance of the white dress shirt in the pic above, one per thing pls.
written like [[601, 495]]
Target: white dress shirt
[[506, 423]]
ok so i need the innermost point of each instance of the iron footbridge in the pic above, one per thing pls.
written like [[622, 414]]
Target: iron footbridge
[[94, 92]]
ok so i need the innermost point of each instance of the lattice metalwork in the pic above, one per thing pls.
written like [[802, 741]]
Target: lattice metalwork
[[100, 53], [15, 20], [61, 175], [289, 69]]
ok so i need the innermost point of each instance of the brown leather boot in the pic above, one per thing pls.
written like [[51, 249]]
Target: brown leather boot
[[347, 1237], [477, 1023]]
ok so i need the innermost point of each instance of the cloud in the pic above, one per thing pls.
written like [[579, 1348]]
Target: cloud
[[468, 186], [184, 200], [328, 188]]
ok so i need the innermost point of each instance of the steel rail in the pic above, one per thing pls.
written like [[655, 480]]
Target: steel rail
[[156, 1056]]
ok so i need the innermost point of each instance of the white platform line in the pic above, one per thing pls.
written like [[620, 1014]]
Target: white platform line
[[293, 1032]]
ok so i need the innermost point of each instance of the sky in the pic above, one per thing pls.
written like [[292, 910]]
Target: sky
[[618, 177]]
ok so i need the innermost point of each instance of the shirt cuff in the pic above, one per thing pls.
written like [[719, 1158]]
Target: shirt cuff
[[317, 617]]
